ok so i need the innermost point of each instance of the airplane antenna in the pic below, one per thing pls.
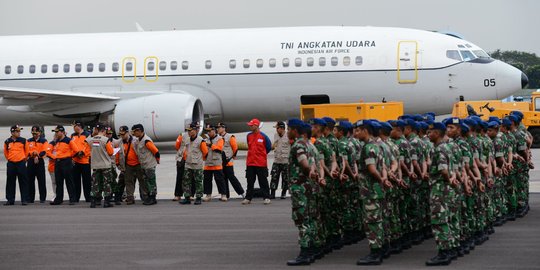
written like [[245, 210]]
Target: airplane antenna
[[139, 27]]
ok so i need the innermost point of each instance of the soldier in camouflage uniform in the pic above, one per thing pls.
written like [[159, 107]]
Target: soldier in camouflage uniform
[[372, 192], [521, 166], [498, 188], [300, 170], [102, 150], [280, 167], [196, 152], [441, 181], [511, 171]]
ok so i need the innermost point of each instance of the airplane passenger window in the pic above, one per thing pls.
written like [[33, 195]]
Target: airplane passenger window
[[310, 61], [346, 60], [208, 64], [285, 62], [232, 64], [55, 68], [78, 68], [101, 67], [174, 65], [334, 61], [259, 63], [298, 62], [66, 68], [322, 61], [129, 66], [162, 65], [151, 65], [43, 68], [32, 69], [272, 62], [467, 55], [453, 54], [20, 69], [185, 65], [90, 67], [359, 60], [115, 67], [7, 70], [246, 63]]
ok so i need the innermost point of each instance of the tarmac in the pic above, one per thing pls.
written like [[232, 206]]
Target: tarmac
[[215, 235]]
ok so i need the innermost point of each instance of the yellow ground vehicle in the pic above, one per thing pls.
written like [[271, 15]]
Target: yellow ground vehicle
[[486, 108], [352, 112]]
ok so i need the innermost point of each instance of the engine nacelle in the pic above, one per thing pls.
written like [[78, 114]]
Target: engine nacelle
[[163, 116]]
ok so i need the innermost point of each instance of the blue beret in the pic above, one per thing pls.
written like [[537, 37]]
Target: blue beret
[[343, 124], [406, 116], [429, 121], [470, 122], [306, 126], [513, 118], [493, 124], [412, 123], [362, 123], [295, 122], [464, 127], [432, 114], [386, 126], [506, 122], [375, 125], [452, 121], [518, 114], [494, 119], [418, 117], [438, 126], [317, 121], [428, 117], [483, 124], [329, 120], [423, 125]]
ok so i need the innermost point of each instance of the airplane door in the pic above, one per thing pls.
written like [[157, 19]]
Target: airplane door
[[407, 70], [129, 69]]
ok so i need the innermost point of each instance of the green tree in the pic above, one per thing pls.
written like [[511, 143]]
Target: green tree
[[526, 62], [533, 72]]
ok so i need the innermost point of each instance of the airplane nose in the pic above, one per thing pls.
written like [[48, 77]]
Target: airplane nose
[[524, 80]]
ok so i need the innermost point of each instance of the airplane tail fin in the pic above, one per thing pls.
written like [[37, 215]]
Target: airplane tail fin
[[139, 27]]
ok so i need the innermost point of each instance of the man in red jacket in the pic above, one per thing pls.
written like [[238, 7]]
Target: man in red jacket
[[259, 146]]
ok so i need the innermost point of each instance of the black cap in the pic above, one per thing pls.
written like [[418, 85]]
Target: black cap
[[78, 123], [123, 129], [137, 127], [36, 129], [99, 126], [109, 130], [193, 125], [16, 128], [280, 124], [59, 128], [222, 125], [209, 127]]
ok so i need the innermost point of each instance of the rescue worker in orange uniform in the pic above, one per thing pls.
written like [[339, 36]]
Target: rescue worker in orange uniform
[[230, 148], [66, 149], [81, 167], [16, 151], [213, 165], [35, 166], [132, 169]]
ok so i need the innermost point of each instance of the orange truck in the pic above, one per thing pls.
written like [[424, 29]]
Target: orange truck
[[352, 112]]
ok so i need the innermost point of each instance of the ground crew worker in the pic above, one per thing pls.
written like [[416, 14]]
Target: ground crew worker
[[66, 149], [230, 148], [118, 184], [133, 171], [102, 173], [441, 181], [37, 149], [259, 146], [51, 150], [149, 158], [81, 167], [213, 165], [15, 152], [281, 147], [196, 152], [300, 170], [181, 143]]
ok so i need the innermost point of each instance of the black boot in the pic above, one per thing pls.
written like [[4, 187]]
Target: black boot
[[406, 240], [93, 202], [395, 247], [465, 247], [118, 198], [442, 258], [348, 238], [373, 258], [386, 251], [198, 201], [460, 251], [185, 201], [107, 203], [154, 201], [148, 200], [452, 253], [301, 259], [283, 194], [272, 194]]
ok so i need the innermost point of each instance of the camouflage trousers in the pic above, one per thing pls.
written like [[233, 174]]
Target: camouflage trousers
[[196, 176], [373, 221], [334, 208], [277, 171], [150, 181], [351, 196], [522, 188], [392, 221], [480, 210], [314, 202], [101, 183], [424, 211], [439, 201], [415, 206], [300, 193], [405, 201], [511, 193], [499, 197], [455, 222], [115, 185]]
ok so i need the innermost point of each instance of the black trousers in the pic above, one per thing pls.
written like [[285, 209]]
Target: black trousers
[[260, 173], [16, 170], [84, 172], [180, 166], [218, 177], [228, 175], [63, 172], [36, 171]]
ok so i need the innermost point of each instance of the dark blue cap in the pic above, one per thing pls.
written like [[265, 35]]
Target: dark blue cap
[[432, 114], [317, 121], [410, 122], [513, 118], [362, 123], [452, 121], [329, 120], [406, 116], [418, 117], [137, 127], [306, 126], [423, 125], [483, 124], [438, 126], [386, 126], [295, 122], [429, 121], [397, 123], [343, 124], [518, 114], [493, 124], [428, 117], [375, 125], [464, 127], [470, 122], [506, 122], [494, 119]]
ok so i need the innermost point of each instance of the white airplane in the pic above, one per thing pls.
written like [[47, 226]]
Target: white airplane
[[165, 80]]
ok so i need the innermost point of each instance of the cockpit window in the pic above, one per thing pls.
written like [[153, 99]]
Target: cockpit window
[[481, 54], [467, 55], [453, 54]]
